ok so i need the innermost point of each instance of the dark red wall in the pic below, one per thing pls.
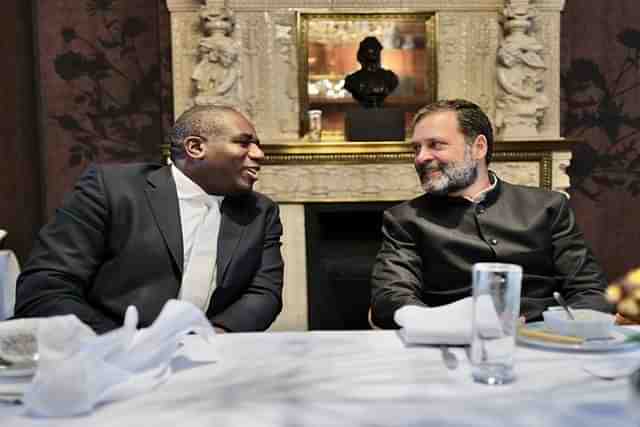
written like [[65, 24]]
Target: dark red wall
[[601, 105], [85, 81]]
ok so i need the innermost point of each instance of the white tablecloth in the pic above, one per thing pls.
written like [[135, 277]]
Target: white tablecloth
[[367, 378]]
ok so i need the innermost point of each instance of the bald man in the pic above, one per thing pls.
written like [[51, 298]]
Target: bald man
[[126, 233]]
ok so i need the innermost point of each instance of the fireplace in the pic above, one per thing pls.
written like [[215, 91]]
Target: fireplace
[[342, 242], [321, 186]]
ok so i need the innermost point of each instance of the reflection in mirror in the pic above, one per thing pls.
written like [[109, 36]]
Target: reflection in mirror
[[328, 53]]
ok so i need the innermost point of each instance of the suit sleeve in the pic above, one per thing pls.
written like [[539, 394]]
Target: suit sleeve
[[66, 256], [581, 278], [397, 274], [261, 302]]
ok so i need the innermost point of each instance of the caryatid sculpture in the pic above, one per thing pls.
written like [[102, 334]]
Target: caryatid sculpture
[[521, 103], [216, 74]]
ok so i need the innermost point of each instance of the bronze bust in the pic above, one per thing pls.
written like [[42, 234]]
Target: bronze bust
[[371, 84]]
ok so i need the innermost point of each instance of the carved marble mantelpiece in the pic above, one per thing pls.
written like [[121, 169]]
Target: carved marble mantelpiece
[[334, 172], [469, 34]]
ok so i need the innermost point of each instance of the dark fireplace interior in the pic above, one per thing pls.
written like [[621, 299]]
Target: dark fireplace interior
[[342, 242]]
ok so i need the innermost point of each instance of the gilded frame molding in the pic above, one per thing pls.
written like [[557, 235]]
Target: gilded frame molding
[[303, 18], [345, 153]]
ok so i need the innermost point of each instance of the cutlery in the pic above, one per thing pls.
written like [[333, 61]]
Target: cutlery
[[563, 303], [449, 358]]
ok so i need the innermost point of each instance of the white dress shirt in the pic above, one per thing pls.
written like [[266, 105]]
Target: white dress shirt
[[192, 201]]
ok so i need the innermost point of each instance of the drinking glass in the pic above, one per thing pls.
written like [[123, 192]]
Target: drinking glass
[[496, 309], [315, 125]]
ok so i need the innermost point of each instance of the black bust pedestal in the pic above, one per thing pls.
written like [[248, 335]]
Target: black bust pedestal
[[375, 124]]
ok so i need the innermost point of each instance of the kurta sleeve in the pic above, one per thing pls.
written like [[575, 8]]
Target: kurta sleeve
[[397, 273]]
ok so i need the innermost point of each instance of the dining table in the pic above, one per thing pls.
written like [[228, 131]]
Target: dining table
[[361, 378]]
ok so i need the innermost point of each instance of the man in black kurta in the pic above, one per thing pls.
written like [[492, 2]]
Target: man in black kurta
[[468, 215]]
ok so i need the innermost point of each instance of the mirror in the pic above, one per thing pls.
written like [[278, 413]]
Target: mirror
[[328, 53]]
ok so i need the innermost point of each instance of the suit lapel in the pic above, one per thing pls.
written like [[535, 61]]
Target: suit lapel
[[163, 200], [232, 227]]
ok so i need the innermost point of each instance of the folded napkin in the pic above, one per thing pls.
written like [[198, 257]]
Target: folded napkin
[[447, 324], [78, 369]]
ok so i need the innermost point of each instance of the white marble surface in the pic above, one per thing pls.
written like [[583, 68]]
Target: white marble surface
[[364, 378]]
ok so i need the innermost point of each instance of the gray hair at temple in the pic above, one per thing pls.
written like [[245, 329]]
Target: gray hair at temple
[[205, 121], [471, 120]]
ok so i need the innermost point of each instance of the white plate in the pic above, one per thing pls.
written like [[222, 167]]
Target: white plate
[[617, 341], [18, 347], [22, 370]]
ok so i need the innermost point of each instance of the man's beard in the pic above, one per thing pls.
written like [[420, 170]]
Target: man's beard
[[453, 177]]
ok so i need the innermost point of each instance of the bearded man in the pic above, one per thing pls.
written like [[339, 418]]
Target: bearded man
[[468, 215]]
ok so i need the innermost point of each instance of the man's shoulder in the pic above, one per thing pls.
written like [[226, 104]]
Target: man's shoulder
[[533, 194], [252, 198], [127, 169], [408, 209], [262, 199], [118, 176]]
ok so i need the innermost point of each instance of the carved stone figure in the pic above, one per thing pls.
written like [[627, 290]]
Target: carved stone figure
[[288, 118], [371, 84], [216, 74], [521, 105]]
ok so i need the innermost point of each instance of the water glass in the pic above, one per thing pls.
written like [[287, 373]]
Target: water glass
[[315, 125], [496, 309]]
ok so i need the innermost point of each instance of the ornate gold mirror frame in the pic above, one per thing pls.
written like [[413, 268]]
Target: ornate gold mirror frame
[[327, 46]]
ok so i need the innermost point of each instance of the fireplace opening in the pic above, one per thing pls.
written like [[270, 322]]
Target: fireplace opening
[[342, 242]]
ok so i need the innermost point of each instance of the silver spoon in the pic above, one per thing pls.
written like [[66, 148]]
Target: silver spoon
[[448, 357], [563, 303]]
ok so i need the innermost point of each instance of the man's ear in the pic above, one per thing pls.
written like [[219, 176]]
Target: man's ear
[[480, 147], [194, 147]]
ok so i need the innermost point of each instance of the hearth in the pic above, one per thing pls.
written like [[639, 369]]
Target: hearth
[[342, 242]]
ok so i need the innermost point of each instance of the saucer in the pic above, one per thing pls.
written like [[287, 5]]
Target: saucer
[[617, 340], [18, 370]]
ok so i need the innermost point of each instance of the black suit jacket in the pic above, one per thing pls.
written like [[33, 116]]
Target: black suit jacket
[[431, 243], [117, 241]]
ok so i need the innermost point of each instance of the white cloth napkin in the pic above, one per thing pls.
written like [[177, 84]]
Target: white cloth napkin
[[448, 324], [78, 369]]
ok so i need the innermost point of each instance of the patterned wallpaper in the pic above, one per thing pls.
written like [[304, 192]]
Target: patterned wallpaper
[[105, 85], [601, 106]]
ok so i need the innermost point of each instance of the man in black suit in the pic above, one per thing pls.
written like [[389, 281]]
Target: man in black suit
[[124, 235], [469, 215]]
